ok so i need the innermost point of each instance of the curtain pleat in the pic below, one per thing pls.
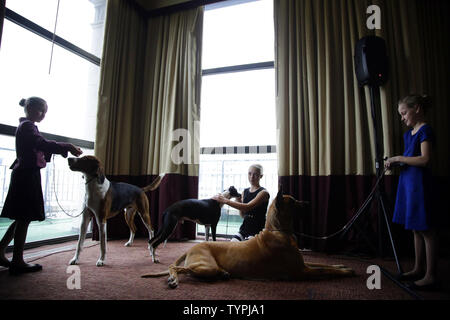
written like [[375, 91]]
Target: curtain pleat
[[148, 108], [119, 139], [173, 80]]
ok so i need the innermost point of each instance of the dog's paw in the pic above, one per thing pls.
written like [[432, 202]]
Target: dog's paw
[[128, 244], [74, 261], [100, 263], [154, 256], [225, 276], [172, 282]]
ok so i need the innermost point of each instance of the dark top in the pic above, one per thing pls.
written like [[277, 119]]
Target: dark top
[[24, 200], [32, 149], [255, 219]]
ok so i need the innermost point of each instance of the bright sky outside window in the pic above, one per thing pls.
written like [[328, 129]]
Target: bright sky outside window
[[75, 18], [42, 12], [71, 88], [238, 109], [238, 34]]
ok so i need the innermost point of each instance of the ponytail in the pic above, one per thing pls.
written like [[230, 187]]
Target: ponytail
[[23, 102], [422, 100], [32, 102]]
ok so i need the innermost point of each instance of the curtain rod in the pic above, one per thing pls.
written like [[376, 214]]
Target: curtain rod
[[180, 7]]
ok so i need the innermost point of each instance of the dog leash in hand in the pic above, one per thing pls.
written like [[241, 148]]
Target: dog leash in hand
[[355, 216], [56, 195]]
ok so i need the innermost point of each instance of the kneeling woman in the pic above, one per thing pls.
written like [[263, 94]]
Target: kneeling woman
[[252, 205]]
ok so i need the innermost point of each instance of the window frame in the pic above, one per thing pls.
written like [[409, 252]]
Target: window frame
[[230, 69], [50, 36], [29, 25], [233, 150], [8, 130]]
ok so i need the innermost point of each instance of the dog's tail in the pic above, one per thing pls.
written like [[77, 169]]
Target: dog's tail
[[165, 273], [156, 275], [155, 184]]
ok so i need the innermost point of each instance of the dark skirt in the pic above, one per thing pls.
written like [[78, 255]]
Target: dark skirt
[[24, 200], [251, 226]]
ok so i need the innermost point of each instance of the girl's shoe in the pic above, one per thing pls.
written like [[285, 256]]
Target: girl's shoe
[[16, 270], [427, 287], [5, 263], [410, 277]]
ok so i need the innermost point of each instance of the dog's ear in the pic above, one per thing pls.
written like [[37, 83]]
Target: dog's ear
[[279, 199], [100, 175], [100, 179], [233, 192], [302, 204]]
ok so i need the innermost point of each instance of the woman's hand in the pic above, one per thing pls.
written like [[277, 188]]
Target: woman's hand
[[219, 198], [421, 160], [76, 151], [390, 161]]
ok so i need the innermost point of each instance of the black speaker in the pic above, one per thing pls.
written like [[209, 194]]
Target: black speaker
[[371, 61]]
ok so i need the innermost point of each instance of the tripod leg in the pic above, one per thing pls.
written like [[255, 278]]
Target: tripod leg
[[356, 216], [399, 267], [364, 208]]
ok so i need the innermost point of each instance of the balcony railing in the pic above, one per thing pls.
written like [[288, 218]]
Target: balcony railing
[[65, 188], [63, 192], [220, 171]]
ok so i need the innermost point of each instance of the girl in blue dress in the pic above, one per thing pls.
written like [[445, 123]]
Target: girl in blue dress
[[413, 202]]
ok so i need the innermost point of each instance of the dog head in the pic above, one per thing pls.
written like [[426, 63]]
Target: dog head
[[89, 165], [231, 192], [282, 212]]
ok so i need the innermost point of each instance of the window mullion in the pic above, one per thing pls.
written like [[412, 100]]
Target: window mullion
[[44, 33], [239, 68]]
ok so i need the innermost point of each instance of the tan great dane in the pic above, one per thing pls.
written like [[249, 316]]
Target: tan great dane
[[272, 254]]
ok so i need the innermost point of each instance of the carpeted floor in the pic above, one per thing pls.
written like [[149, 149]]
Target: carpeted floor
[[120, 278]]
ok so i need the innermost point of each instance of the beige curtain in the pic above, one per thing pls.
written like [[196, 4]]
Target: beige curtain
[[323, 117], [148, 108], [173, 82], [121, 86], [149, 92]]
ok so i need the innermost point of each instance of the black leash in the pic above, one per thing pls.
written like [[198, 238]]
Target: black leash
[[56, 195], [355, 216]]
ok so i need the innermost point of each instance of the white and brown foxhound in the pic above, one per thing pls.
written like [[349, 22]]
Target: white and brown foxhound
[[105, 199]]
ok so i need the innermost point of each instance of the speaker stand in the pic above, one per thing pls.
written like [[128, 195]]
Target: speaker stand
[[379, 195]]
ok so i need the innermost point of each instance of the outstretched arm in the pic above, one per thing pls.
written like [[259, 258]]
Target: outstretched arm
[[244, 207]]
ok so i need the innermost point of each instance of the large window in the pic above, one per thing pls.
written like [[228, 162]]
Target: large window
[[51, 49], [238, 125]]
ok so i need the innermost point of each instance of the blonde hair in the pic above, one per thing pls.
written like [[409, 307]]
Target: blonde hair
[[421, 100], [257, 167]]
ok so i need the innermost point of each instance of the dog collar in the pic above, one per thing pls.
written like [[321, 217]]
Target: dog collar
[[87, 182]]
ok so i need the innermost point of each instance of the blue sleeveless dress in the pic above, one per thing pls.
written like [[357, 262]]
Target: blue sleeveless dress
[[414, 191]]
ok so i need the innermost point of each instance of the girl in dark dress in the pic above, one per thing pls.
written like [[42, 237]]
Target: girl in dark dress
[[413, 201], [24, 202], [252, 205]]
